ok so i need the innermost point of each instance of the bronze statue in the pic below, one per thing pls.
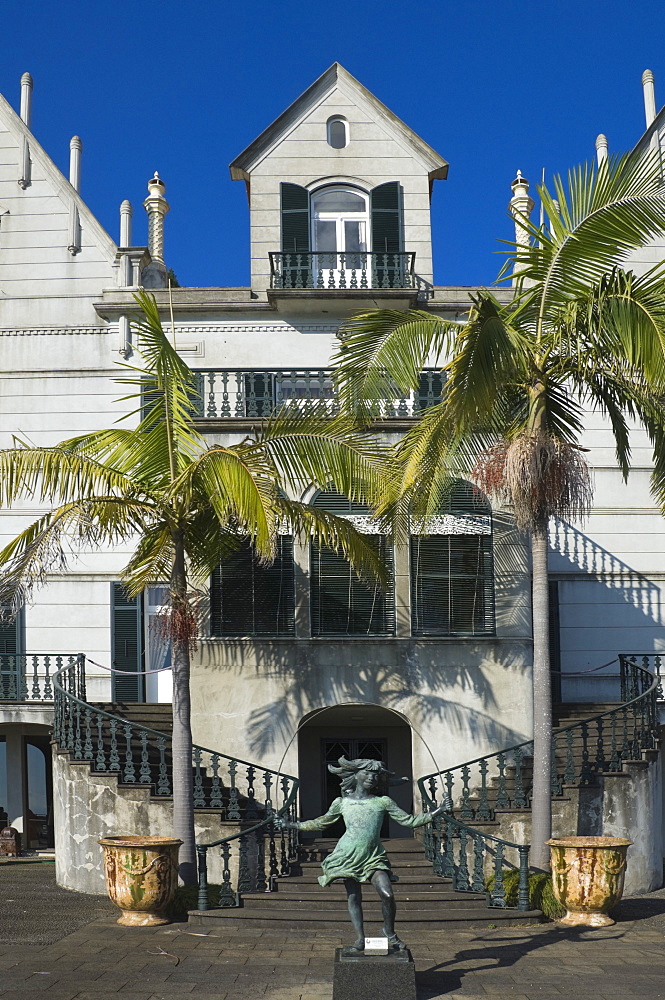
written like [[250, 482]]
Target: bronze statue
[[359, 855]]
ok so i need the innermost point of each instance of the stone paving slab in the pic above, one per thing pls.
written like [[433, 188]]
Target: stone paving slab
[[68, 947]]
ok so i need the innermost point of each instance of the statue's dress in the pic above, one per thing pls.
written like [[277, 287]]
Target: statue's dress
[[359, 852]]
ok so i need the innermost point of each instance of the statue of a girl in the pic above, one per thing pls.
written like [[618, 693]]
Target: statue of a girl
[[359, 855]]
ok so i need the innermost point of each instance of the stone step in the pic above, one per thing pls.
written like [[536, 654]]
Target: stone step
[[314, 919], [328, 899]]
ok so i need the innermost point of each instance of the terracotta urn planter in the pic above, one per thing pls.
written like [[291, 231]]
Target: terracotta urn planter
[[141, 877], [587, 877]]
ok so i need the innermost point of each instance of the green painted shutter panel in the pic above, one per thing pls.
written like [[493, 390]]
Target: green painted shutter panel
[[250, 599], [342, 603], [10, 637], [126, 644], [295, 218], [387, 240]]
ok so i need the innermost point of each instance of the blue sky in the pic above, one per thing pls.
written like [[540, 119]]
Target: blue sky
[[182, 87]]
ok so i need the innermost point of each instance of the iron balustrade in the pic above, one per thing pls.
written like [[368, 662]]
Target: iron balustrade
[[253, 392], [474, 791], [29, 676], [342, 270], [237, 790]]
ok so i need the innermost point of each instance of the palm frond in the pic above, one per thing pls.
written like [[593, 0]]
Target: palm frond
[[47, 475]]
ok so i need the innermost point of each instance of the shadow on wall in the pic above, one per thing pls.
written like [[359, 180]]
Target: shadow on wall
[[582, 553], [411, 679]]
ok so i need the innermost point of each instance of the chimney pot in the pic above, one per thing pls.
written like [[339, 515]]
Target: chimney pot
[[649, 97], [26, 99]]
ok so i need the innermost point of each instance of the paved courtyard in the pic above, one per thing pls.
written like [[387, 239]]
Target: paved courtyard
[[57, 945]]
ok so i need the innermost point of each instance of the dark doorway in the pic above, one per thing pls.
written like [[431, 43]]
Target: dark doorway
[[352, 731]]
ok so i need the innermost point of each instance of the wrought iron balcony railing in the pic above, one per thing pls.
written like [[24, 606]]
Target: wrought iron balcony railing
[[28, 677], [353, 269], [253, 392]]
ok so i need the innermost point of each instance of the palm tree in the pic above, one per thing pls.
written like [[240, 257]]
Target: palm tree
[[184, 506], [580, 332]]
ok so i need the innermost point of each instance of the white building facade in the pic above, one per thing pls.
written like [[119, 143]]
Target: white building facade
[[300, 663]]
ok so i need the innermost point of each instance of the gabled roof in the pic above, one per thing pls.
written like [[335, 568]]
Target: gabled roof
[[61, 186], [242, 166]]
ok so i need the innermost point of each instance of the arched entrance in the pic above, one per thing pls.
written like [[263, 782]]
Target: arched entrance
[[352, 731]]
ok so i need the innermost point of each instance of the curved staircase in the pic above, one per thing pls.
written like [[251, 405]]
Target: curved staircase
[[267, 878]]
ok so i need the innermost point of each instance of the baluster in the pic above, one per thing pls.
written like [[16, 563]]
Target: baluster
[[48, 688], [342, 271], [261, 882], [252, 410], [434, 851], [448, 798], [625, 746], [70, 723], [519, 801], [478, 881], [114, 757], [331, 275], [402, 408], [13, 684], [600, 746], [363, 272], [225, 408], [129, 774], [227, 897], [310, 272], [251, 809], [202, 857], [298, 283], [36, 691], [523, 902], [87, 743], [502, 801], [354, 273], [319, 273], [284, 865], [21, 662], [657, 665], [615, 759], [462, 882], [163, 784], [244, 879], [498, 893], [385, 277], [199, 794], [307, 383], [240, 395], [216, 786], [273, 867], [267, 781], [483, 811], [449, 853], [100, 761], [78, 749], [145, 777], [211, 410], [234, 805], [466, 812], [586, 775]]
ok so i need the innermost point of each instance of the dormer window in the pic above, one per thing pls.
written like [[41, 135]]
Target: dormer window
[[338, 132]]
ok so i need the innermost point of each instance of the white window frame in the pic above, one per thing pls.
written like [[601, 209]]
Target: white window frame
[[332, 121]]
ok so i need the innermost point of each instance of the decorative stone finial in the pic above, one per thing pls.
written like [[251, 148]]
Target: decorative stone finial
[[126, 213], [601, 148], [26, 98], [520, 207], [75, 147], [156, 206], [649, 96]]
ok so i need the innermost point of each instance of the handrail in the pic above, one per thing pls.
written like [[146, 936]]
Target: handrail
[[141, 755], [497, 781]]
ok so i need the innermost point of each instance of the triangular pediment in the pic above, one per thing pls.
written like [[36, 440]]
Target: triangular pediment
[[336, 77]]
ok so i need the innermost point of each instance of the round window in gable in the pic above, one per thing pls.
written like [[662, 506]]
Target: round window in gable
[[338, 133]]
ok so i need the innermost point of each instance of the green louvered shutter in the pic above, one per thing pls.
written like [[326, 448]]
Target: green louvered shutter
[[387, 239], [126, 644], [247, 598], [11, 636], [452, 575], [340, 602], [295, 235]]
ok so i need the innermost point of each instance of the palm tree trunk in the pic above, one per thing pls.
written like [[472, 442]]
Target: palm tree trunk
[[183, 798], [541, 800]]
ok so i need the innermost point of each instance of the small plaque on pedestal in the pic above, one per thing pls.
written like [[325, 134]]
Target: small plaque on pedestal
[[374, 977], [376, 946]]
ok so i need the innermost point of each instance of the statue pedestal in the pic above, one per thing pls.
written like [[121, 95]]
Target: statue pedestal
[[374, 977]]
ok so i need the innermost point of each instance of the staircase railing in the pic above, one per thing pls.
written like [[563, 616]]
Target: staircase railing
[[474, 791], [237, 790]]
